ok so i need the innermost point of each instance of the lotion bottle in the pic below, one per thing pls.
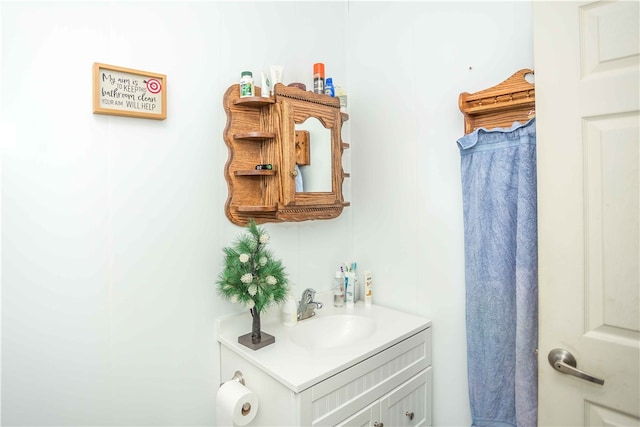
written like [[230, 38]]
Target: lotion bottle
[[368, 291]]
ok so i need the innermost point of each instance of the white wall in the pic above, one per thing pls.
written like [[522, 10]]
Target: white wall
[[408, 62], [112, 228]]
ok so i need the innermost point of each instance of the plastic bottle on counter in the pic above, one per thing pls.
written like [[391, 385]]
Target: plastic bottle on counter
[[290, 311], [338, 290], [368, 288], [349, 288], [318, 77], [247, 87]]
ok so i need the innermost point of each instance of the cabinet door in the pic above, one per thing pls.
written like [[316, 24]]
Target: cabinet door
[[364, 418], [409, 404]]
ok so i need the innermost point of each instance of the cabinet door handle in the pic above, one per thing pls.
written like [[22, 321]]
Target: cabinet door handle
[[378, 424], [409, 414]]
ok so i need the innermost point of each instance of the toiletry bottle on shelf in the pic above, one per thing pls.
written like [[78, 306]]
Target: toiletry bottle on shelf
[[338, 290], [341, 93], [368, 288], [290, 311], [265, 90], [318, 77], [328, 87], [246, 84]]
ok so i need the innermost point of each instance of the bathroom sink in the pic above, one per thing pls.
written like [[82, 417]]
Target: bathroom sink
[[336, 330]]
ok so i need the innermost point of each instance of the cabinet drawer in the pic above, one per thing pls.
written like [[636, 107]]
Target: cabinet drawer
[[347, 392]]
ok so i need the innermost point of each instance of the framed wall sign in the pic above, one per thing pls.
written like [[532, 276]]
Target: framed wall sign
[[123, 91]]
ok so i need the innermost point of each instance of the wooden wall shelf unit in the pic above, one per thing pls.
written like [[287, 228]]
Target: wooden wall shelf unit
[[255, 135], [499, 106], [254, 172], [263, 131]]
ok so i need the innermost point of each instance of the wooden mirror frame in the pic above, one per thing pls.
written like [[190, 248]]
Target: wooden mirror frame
[[297, 106]]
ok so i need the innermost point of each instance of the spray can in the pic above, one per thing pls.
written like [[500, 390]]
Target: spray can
[[318, 77]]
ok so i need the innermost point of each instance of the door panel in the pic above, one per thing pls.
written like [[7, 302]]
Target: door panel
[[612, 188]]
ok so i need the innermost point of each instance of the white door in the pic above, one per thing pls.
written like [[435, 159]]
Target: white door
[[586, 57]]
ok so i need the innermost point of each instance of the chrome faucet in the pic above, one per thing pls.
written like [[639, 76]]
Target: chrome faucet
[[307, 305]]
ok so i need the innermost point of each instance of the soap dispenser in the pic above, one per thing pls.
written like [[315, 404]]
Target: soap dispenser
[[290, 311]]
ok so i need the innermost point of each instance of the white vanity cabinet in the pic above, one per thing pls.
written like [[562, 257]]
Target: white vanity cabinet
[[380, 382]]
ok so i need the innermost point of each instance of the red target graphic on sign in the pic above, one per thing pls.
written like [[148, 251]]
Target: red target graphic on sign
[[153, 85]]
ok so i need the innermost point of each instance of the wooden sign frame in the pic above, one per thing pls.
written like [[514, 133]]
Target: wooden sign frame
[[121, 91]]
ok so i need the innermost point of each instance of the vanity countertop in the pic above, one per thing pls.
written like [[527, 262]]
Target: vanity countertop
[[298, 367]]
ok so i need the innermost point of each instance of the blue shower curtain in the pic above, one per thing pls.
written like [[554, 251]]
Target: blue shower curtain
[[498, 169]]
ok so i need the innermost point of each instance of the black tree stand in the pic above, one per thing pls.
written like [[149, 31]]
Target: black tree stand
[[256, 339]]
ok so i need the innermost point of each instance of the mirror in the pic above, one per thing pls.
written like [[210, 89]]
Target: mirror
[[313, 156]]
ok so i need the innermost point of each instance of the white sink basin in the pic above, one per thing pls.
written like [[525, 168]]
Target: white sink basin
[[336, 330], [322, 346]]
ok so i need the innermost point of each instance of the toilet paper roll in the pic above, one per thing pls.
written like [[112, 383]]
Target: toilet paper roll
[[235, 404]]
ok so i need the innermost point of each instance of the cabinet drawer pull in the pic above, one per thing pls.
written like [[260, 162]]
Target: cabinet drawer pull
[[409, 414], [378, 424]]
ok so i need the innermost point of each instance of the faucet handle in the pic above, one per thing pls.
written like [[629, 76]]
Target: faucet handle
[[308, 295], [306, 307]]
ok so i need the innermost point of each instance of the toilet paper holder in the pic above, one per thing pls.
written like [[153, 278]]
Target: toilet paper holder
[[237, 376]]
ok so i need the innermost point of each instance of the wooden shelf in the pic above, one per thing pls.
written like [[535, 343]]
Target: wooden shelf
[[255, 135], [255, 172], [253, 101], [257, 208], [501, 105]]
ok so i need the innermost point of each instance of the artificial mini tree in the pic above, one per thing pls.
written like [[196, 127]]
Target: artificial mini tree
[[253, 278]]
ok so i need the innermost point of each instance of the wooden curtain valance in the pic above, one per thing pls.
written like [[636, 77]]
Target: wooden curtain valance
[[499, 106]]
